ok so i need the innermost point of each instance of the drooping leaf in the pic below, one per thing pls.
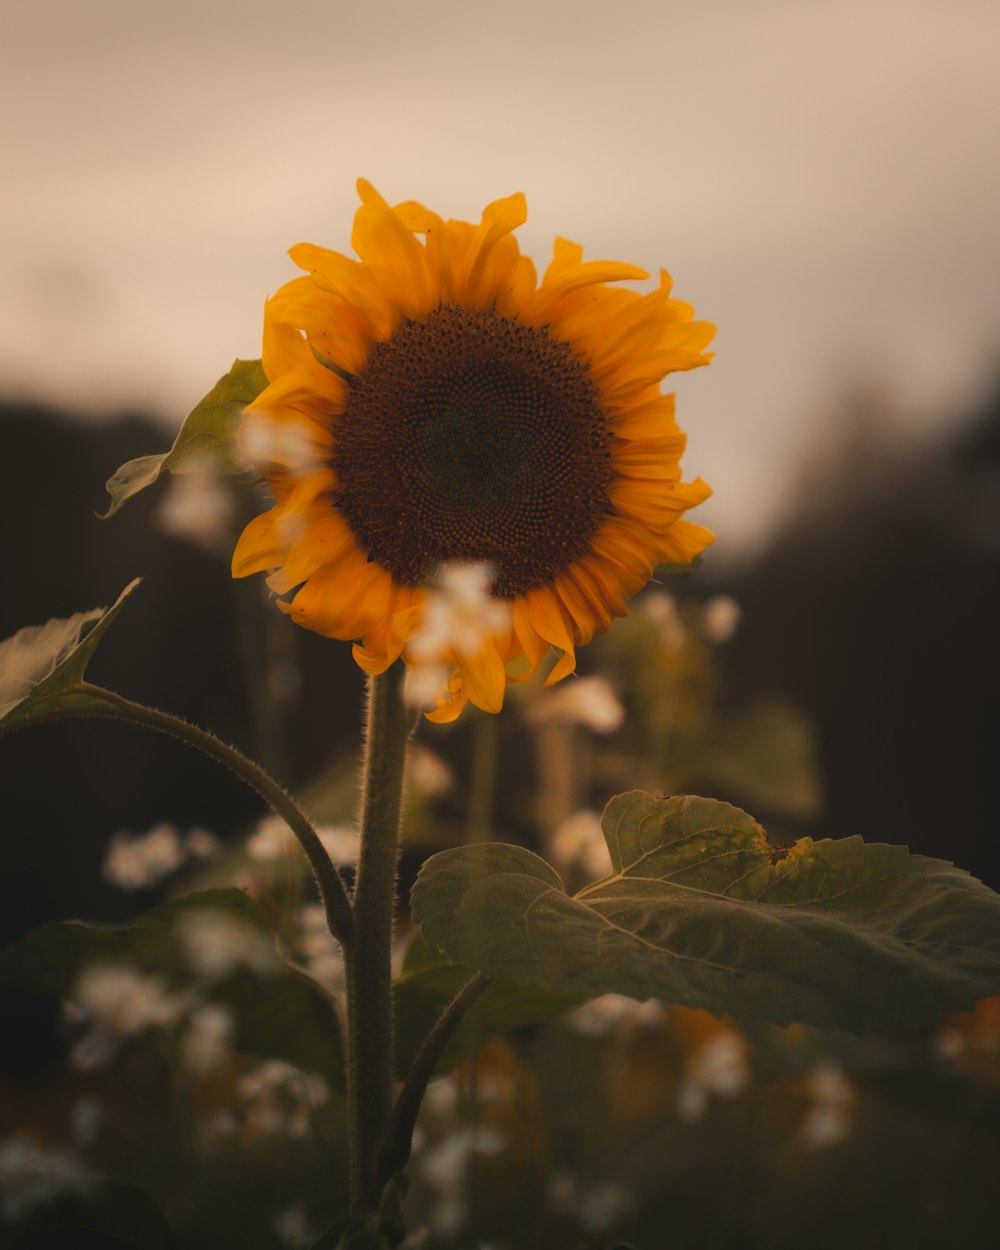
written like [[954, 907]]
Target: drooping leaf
[[278, 1011], [701, 910], [428, 983], [42, 666], [207, 439]]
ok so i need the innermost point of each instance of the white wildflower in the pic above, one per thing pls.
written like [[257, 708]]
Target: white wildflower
[[341, 843], [294, 1227], [320, 951], [831, 1114], [458, 618], [605, 1015], [661, 609], [125, 1001], [720, 618], [133, 863], [197, 508], [217, 945], [200, 844], [444, 1168], [271, 839], [427, 773], [717, 1068], [605, 1204], [579, 842], [32, 1177], [205, 1040], [278, 1099], [587, 701]]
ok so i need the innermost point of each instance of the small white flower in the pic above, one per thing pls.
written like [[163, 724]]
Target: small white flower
[[124, 1001], [217, 945], [605, 1204], [604, 1015], [340, 842], [271, 840], [720, 618], [831, 1115], [204, 1042], [579, 841], [197, 508], [717, 1068], [587, 701], [661, 609], [31, 1177], [133, 863], [459, 616], [426, 772], [200, 844]]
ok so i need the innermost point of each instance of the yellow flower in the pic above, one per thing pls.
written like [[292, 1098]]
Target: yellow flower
[[433, 403]]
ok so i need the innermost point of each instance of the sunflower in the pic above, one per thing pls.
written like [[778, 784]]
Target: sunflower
[[432, 403]]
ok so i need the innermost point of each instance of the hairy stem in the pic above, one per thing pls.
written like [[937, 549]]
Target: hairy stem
[[331, 887], [368, 961], [399, 1138]]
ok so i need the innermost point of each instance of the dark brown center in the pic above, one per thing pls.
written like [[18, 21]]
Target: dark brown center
[[468, 436]]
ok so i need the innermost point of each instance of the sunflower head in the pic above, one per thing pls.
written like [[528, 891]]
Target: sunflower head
[[433, 404]]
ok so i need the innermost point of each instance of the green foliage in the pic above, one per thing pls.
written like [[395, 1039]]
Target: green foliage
[[278, 1011], [207, 439], [427, 985], [42, 667], [701, 911], [116, 1215]]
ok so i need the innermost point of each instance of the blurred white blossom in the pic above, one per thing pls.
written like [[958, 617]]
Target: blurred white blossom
[[294, 1227], [273, 839], [31, 1177], [134, 862], [604, 1204], [125, 1000], [457, 618], [426, 772], [830, 1117], [205, 1040], [198, 508], [604, 1015], [278, 1099], [320, 951], [579, 841], [217, 945], [720, 618], [444, 1169], [661, 609], [719, 1068], [587, 701]]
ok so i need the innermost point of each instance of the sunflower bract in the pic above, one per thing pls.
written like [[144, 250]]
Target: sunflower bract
[[430, 404]]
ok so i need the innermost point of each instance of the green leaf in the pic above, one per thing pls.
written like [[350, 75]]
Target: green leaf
[[207, 439], [278, 1011], [428, 983], [42, 666], [702, 911]]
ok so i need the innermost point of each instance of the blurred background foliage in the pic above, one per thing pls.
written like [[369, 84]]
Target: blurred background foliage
[[842, 680]]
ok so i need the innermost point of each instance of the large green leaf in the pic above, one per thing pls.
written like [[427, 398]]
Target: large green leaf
[[207, 439], [42, 666], [702, 911], [427, 984], [278, 1011]]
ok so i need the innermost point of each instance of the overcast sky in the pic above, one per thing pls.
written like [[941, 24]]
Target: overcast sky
[[822, 179]]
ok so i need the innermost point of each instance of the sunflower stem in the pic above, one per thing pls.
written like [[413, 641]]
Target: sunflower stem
[[328, 881], [368, 963], [399, 1139]]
